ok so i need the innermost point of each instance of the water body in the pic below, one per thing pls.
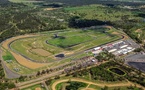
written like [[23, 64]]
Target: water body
[[138, 65], [117, 71]]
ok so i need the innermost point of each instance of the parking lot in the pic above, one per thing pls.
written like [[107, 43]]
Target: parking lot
[[118, 48], [136, 60], [81, 63]]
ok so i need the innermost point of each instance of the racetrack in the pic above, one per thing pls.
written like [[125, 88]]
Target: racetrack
[[42, 54], [20, 59]]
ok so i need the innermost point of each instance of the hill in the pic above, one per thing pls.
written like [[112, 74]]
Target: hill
[[86, 2], [3, 1]]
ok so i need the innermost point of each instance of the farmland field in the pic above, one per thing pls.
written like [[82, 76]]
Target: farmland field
[[44, 47]]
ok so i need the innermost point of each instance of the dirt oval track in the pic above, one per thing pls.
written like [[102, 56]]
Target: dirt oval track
[[20, 59]]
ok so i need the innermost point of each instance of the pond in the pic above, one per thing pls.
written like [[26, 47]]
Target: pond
[[117, 71]]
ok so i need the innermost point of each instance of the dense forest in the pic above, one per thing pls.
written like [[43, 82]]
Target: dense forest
[[17, 19]]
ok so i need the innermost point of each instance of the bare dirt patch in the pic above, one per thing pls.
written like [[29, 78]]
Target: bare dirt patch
[[20, 59], [124, 36], [49, 9], [68, 52], [109, 27], [138, 31], [87, 89], [41, 52], [38, 89]]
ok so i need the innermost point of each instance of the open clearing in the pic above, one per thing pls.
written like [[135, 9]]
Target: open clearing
[[43, 48], [41, 52], [49, 9]]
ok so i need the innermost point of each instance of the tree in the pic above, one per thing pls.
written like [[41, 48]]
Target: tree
[[48, 82], [105, 88], [38, 73], [138, 50]]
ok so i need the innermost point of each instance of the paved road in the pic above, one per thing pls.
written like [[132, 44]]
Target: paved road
[[38, 80], [8, 73]]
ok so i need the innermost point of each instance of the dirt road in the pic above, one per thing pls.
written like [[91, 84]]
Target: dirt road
[[97, 84], [37, 80]]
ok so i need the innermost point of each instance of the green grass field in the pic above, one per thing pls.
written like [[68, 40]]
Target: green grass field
[[8, 56], [69, 41], [72, 42]]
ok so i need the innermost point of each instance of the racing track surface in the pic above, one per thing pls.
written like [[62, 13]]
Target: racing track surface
[[9, 74], [20, 59]]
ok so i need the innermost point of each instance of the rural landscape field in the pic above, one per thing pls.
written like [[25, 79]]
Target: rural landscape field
[[72, 45]]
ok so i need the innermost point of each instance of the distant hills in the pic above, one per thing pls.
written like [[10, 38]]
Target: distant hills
[[84, 2], [3, 1]]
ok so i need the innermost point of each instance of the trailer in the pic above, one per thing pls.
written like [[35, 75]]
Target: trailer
[[97, 48], [129, 48], [112, 50], [97, 52], [123, 46]]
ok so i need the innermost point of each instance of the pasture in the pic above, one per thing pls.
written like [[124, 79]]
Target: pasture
[[99, 12], [44, 47]]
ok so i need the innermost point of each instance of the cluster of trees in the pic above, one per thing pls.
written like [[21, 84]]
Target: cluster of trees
[[2, 74], [138, 50], [75, 85], [100, 73], [118, 88], [105, 55], [136, 77], [17, 19], [77, 22]]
